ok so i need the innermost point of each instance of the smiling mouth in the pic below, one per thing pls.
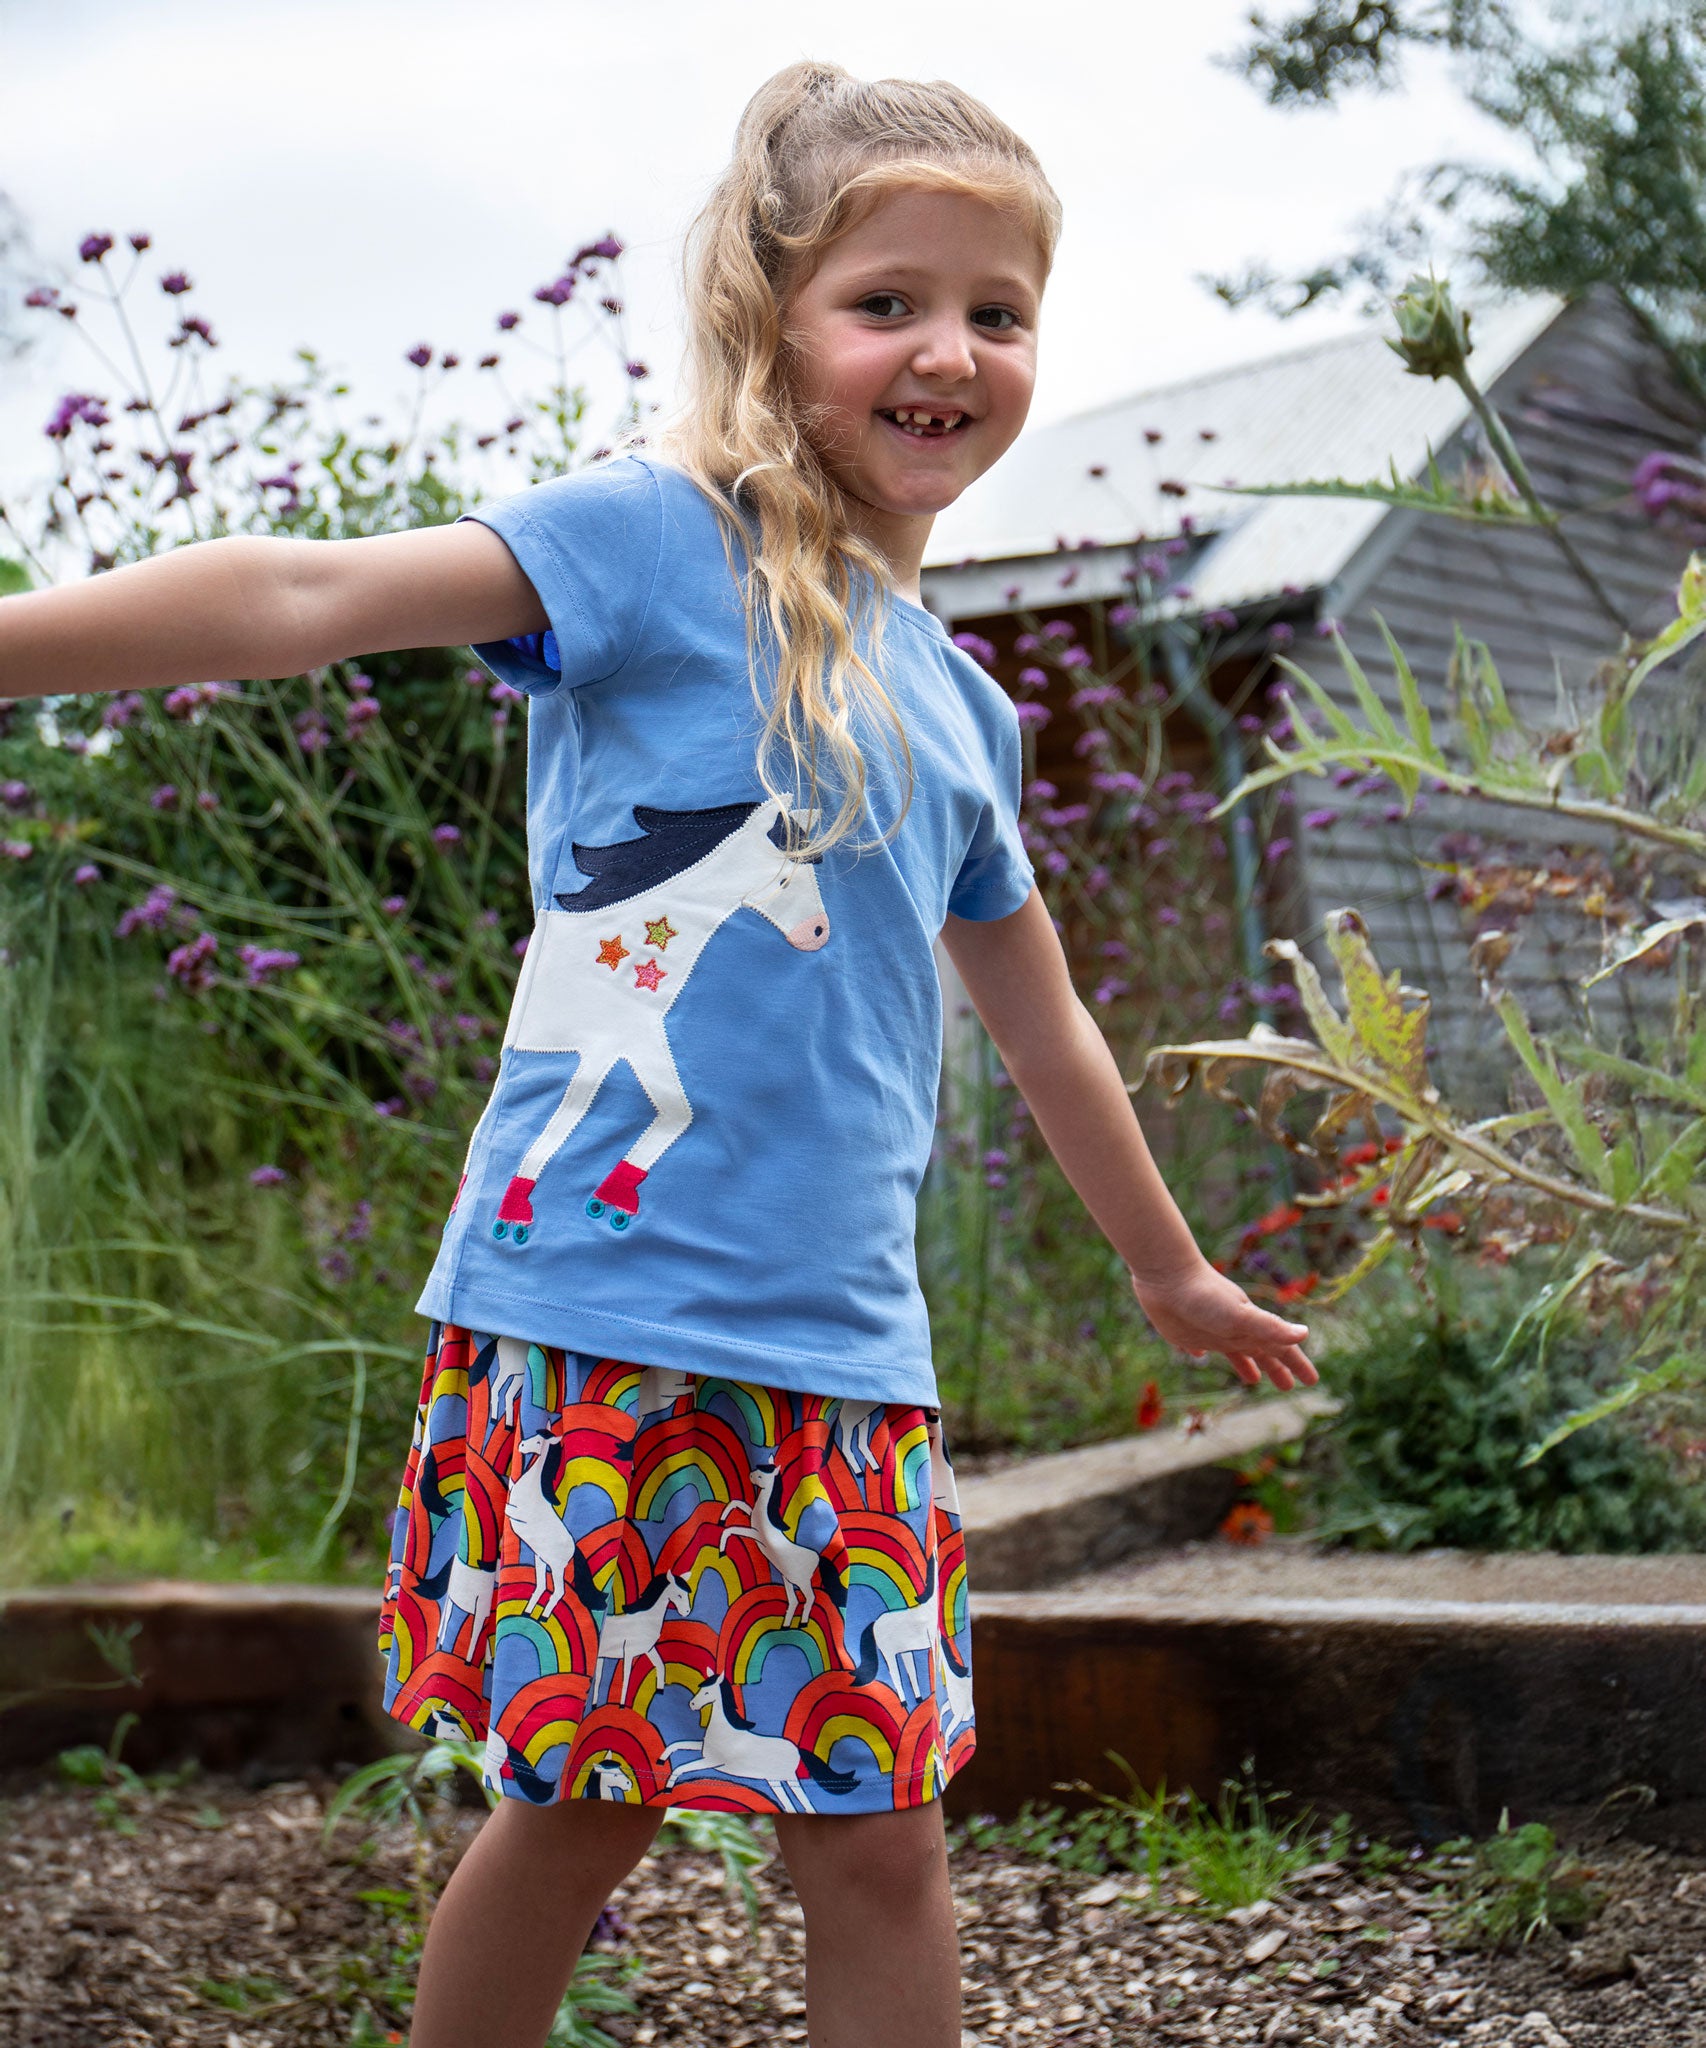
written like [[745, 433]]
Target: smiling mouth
[[923, 425]]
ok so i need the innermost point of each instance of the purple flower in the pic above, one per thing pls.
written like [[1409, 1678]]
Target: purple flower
[[1181, 591], [1041, 790], [120, 710], [1027, 643], [150, 914], [505, 693], [394, 906], [14, 795], [359, 1228], [608, 247], [1158, 849], [1060, 629], [360, 686], [446, 835], [995, 1180], [1167, 914], [189, 964], [261, 961], [980, 649], [93, 247], [1090, 742], [1094, 694], [267, 1177], [556, 294], [207, 800], [74, 406], [1109, 989], [393, 1105], [420, 356], [1075, 657], [637, 371], [1055, 861], [165, 798], [1326, 628], [1220, 621], [508, 320], [140, 241], [15, 849], [1033, 714], [519, 949], [175, 283], [359, 714], [1320, 821], [312, 731], [1277, 850], [336, 1266], [1393, 814], [86, 874], [1280, 635]]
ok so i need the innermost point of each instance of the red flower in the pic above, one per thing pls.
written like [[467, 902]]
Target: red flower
[[1299, 1289], [1247, 1523], [1360, 1155], [1447, 1220], [1149, 1406], [1276, 1220]]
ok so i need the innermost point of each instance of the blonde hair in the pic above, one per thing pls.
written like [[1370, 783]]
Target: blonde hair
[[816, 151]]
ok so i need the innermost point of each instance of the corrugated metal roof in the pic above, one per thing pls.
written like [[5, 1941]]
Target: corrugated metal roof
[[1337, 408]]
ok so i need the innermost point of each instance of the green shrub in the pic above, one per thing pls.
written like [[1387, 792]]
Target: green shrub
[[1428, 1448]]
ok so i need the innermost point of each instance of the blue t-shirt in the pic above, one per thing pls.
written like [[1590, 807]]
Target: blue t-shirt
[[718, 1086]]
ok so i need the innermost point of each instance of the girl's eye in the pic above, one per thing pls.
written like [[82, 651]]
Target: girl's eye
[[885, 305], [999, 319]]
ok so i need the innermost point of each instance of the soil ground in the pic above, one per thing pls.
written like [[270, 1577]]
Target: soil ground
[[222, 1922]]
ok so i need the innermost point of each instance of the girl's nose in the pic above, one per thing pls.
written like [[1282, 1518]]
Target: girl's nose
[[943, 351]]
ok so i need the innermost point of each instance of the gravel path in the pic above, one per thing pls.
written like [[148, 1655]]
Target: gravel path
[[109, 1940]]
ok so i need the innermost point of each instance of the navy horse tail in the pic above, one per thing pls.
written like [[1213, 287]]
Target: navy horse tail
[[820, 1773], [833, 1582], [596, 1603], [867, 1669]]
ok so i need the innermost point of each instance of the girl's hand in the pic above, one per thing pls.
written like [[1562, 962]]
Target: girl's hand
[[1202, 1311]]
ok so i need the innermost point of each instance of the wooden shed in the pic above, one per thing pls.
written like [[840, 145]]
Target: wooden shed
[[1587, 390]]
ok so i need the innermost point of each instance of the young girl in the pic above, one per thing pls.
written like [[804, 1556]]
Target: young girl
[[678, 1526]]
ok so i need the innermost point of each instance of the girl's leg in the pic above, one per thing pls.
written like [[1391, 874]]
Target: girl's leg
[[882, 1947], [511, 1924]]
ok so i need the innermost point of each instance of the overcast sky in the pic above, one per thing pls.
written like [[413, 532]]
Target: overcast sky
[[361, 175]]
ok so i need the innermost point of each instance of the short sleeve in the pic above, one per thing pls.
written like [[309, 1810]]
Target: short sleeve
[[995, 878], [590, 545]]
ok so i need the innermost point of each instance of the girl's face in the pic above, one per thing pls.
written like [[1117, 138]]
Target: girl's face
[[914, 356]]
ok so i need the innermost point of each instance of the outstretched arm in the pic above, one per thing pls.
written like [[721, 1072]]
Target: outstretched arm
[[1017, 977], [251, 606]]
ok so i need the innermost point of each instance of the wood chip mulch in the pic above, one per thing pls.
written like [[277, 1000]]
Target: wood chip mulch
[[109, 1940]]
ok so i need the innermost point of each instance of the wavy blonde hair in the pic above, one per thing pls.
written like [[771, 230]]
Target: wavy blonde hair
[[816, 151]]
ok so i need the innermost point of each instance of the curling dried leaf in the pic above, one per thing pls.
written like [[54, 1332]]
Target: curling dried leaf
[[1654, 935], [1336, 1036], [1390, 1038]]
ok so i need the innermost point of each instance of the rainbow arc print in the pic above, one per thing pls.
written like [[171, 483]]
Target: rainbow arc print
[[677, 1590]]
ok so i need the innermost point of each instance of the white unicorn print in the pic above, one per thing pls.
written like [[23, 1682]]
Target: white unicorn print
[[900, 1633], [534, 1518], [604, 968], [659, 1387], [635, 1633], [795, 1563], [853, 1426], [613, 1779], [730, 1744]]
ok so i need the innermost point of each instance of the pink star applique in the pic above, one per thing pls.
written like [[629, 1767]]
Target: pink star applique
[[648, 974]]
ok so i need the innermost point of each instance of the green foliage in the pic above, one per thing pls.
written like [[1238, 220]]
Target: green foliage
[[119, 1791], [1229, 1855], [1513, 1886], [1430, 1448], [1608, 101]]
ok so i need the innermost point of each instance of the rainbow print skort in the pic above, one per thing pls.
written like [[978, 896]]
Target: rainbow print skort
[[676, 1590]]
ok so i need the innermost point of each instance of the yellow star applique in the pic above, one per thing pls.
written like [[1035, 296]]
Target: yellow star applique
[[659, 932], [648, 974], [612, 952]]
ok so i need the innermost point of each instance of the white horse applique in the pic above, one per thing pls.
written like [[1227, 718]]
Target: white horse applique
[[731, 1744], [603, 969]]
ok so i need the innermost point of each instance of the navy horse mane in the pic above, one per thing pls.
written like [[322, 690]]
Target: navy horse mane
[[671, 842]]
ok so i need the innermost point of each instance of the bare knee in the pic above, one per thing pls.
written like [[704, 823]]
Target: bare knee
[[590, 1844], [881, 1858]]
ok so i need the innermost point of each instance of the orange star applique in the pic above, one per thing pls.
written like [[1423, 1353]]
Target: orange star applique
[[660, 932], [648, 974], [612, 952]]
